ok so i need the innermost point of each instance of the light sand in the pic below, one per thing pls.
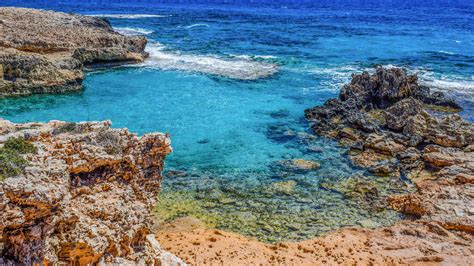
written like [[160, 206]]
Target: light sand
[[405, 243]]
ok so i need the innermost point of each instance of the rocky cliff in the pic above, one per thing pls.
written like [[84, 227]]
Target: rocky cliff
[[45, 51], [79, 194]]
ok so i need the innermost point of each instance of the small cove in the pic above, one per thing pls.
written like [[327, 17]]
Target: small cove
[[229, 135]]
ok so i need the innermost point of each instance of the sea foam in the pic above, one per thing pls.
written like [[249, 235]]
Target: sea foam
[[241, 69], [450, 85], [197, 25], [128, 16], [132, 31]]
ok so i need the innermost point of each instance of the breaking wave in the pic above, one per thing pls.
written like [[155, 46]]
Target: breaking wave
[[454, 85], [132, 31], [197, 25], [241, 69], [128, 16], [253, 57], [333, 78]]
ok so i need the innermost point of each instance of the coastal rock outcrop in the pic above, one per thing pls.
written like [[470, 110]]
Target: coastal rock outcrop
[[79, 193], [46, 52], [394, 126]]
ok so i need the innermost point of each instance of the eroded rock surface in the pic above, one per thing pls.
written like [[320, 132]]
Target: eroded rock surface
[[387, 120], [46, 51], [84, 196]]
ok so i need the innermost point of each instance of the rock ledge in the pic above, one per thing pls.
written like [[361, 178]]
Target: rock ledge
[[45, 51], [84, 197]]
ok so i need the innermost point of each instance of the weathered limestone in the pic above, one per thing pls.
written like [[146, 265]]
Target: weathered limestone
[[45, 52], [383, 119], [84, 197]]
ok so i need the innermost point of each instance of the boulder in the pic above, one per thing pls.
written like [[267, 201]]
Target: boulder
[[397, 115]]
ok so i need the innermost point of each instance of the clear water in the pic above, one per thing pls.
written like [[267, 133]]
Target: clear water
[[227, 134]]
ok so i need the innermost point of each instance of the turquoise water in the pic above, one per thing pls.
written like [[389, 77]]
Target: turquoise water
[[229, 134]]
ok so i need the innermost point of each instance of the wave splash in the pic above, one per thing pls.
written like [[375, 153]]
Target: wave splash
[[335, 77], [197, 25], [128, 16], [241, 69], [132, 31], [459, 86]]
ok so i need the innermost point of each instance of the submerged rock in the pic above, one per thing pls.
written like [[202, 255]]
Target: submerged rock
[[46, 51], [282, 187], [84, 196], [296, 166]]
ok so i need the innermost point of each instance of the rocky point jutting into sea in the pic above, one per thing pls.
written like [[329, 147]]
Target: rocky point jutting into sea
[[46, 52], [82, 193]]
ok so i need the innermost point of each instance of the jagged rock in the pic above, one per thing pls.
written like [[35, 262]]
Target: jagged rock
[[451, 131], [45, 51], [409, 204], [381, 89], [384, 169], [84, 197], [397, 115], [383, 144], [383, 117], [388, 86], [441, 156]]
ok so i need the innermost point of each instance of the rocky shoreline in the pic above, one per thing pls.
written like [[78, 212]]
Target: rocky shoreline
[[394, 126], [82, 193], [73, 193], [383, 118], [47, 52]]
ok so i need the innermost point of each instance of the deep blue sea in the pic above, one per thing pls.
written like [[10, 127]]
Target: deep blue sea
[[230, 82]]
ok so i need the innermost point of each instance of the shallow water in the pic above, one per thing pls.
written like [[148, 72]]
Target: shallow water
[[228, 134]]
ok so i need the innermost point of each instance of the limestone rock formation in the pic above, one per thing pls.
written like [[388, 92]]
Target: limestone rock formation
[[83, 196], [387, 120], [391, 127], [46, 51]]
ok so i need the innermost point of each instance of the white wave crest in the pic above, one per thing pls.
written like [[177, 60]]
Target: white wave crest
[[459, 86], [132, 31], [197, 25], [333, 78], [252, 57], [445, 52], [128, 16], [236, 69]]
